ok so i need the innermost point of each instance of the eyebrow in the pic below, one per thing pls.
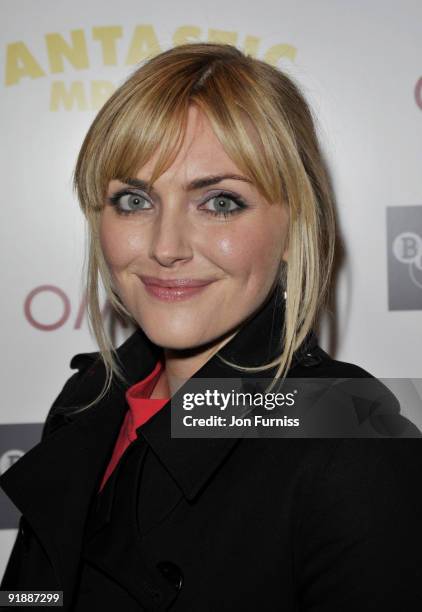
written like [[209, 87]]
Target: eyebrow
[[197, 183]]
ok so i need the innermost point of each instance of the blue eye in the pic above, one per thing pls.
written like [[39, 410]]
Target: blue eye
[[134, 201], [221, 202]]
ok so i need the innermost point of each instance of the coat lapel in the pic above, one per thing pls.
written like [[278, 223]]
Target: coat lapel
[[54, 483]]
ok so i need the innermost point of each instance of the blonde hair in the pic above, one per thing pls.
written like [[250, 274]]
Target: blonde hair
[[148, 114]]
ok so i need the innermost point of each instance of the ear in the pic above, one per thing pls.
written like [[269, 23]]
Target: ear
[[285, 255]]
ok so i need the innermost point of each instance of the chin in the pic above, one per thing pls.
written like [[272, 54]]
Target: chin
[[184, 338], [180, 340]]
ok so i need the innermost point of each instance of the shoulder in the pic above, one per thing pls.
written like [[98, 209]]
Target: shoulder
[[370, 407], [61, 408], [324, 365], [311, 360], [89, 373], [84, 384]]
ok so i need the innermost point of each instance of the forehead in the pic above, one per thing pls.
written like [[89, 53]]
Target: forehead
[[201, 151]]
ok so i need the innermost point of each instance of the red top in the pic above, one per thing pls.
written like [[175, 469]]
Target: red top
[[140, 410]]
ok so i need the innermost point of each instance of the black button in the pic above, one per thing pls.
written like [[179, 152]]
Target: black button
[[173, 574], [310, 360]]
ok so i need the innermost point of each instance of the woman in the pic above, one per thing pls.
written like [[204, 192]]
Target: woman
[[212, 230]]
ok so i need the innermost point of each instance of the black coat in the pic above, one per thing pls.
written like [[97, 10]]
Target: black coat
[[292, 524]]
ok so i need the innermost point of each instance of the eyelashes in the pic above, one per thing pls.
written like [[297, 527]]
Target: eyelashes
[[115, 201]]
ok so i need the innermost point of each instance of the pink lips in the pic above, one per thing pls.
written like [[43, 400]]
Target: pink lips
[[174, 289]]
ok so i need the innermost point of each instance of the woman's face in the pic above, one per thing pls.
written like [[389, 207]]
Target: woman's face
[[180, 232]]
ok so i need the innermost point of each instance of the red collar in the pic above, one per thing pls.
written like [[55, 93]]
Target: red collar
[[138, 398]]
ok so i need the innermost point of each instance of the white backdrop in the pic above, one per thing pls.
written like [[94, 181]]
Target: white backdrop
[[360, 67]]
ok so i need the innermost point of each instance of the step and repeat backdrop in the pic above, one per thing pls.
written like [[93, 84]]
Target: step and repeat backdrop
[[359, 65]]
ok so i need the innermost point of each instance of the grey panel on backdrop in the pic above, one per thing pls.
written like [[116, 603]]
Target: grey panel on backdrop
[[404, 257], [15, 441]]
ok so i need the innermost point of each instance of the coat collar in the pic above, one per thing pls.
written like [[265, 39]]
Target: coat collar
[[53, 483]]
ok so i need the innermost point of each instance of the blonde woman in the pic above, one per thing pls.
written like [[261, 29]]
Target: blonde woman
[[212, 229]]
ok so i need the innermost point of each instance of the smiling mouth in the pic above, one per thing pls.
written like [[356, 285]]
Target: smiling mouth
[[177, 293], [174, 282]]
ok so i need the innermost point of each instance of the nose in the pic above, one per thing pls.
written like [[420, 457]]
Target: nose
[[170, 236]]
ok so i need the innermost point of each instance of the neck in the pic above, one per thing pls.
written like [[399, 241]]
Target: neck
[[181, 365]]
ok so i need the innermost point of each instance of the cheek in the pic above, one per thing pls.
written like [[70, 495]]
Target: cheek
[[119, 243], [253, 248]]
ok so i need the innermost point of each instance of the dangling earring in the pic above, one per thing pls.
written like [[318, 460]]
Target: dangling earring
[[285, 295]]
